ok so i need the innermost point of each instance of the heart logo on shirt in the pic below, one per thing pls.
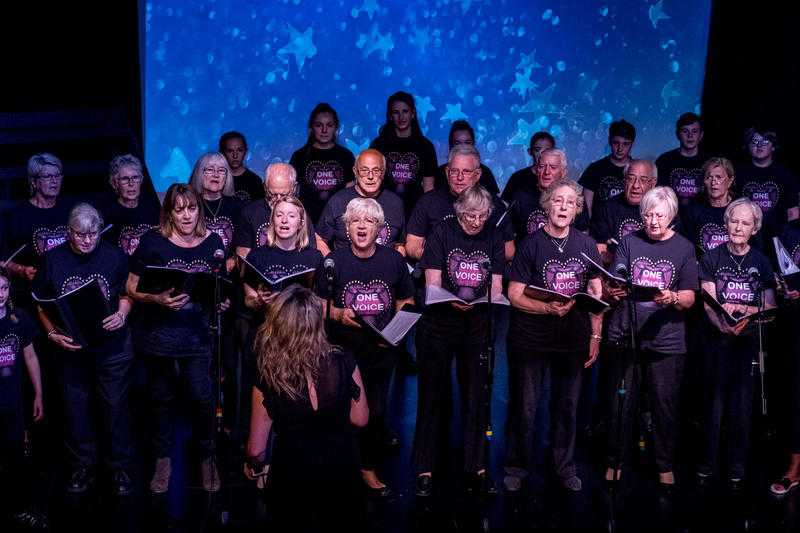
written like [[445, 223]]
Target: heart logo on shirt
[[197, 265], [610, 186], [324, 175], [223, 227], [9, 347], [402, 167], [129, 237], [536, 220], [276, 272], [467, 273], [45, 239], [261, 234], [653, 274], [687, 183], [243, 195], [628, 226], [766, 194], [733, 287], [371, 299], [566, 278], [712, 235], [73, 282]]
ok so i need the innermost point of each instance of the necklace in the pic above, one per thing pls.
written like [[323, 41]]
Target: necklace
[[213, 212], [560, 243], [741, 261]]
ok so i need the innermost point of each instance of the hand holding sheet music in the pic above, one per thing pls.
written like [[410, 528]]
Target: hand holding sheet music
[[736, 318], [583, 300], [79, 314], [437, 295], [397, 328]]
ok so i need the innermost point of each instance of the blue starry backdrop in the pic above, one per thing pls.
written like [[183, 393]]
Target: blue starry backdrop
[[509, 67]]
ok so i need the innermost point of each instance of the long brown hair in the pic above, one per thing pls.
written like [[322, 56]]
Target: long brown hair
[[185, 193], [291, 344], [302, 234]]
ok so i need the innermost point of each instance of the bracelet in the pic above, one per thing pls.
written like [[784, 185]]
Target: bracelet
[[50, 333], [593, 336], [121, 316], [675, 298]]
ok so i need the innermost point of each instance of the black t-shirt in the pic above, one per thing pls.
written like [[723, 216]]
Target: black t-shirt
[[524, 177], [254, 219], [15, 335], [248, 186], [408, 160], [733, 281], [604, 179], [538, 262], [668, 264], [320, 174], [527, 215], [615, 219], [221, 217], [773, 188], [129, 224], [164, 332], [64, 270], [487, 179], [460, 258], [40, 229], [704, 224], [437, 205], [331, 226], [683, 174], [370, 286], [791, 240]]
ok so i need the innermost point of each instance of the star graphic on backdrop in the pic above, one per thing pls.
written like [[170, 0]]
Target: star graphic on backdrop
[[523, 82], [369, 7], [528, 61], [421, 38], [300, 45], [375, 41], [525, 130], [540, 102], [424, 106], [656, 13], [354, 147], [454, 113]]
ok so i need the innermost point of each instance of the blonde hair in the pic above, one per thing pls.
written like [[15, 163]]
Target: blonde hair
[[302, 232], [291, 344], [659, 195]]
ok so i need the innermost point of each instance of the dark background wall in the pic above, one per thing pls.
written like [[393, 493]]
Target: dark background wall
[[72, 85]]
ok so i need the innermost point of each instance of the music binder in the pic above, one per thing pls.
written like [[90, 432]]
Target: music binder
[[397, 328], [437, 295], [79, 313], [254, 277], [731, 319], [583, 300], [198, 285]]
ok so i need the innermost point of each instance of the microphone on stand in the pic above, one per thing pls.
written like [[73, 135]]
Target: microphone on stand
[[755, 278], [219, 258], [329, 264]]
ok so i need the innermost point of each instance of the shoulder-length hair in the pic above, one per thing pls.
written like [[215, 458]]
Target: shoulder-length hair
[[196, 180], [302, 232], [387, 130], [547, 194], [180, 194], [291, 344]]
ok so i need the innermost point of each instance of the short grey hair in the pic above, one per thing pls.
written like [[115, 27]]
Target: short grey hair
[[758, 214], [122, 161], [84, 219], [659, 195], [653, 172], [464, 149], [363, 207], [196, 181], [39, 161], [547, 194], [560, 154], [475, 198]]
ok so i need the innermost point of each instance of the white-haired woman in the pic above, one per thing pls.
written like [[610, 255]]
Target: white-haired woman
[[659, 258], [132, 214], [97, 373], [455, 257], [372, 282], [550, 336], [739, 277], [213, 182]]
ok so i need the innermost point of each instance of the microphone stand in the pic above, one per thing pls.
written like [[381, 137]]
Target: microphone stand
[[762, 354], [329, 275], [221, 512]]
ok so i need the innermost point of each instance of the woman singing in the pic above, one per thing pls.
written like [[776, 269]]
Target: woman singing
[[370, 282], [323, 166], [550, 336], [663, 263], [311, 393], [455, 257], [702, 219], [173, 333], [740, 278], [97, 373]]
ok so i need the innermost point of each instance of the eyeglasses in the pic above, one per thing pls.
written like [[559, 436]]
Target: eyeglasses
[[552, 168], [654, 216], [643, 180], [474, 218], [463, 172], [210, 171], [50, 177], [564, 202], [273, 197], [715, 179], [129, 180], [367, 221], [88, 236], [758, 143], [376, 172]]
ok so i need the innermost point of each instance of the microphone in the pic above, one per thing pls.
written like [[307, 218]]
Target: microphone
[[219, 258], [328, 266], [621, 270], [755, 278], [486, 263]]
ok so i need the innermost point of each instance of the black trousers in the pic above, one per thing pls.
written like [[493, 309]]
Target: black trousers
[[728, 402], [441, 338], [87, 378], [166, 375], [529, 364], [376, 364], [661, 376]]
